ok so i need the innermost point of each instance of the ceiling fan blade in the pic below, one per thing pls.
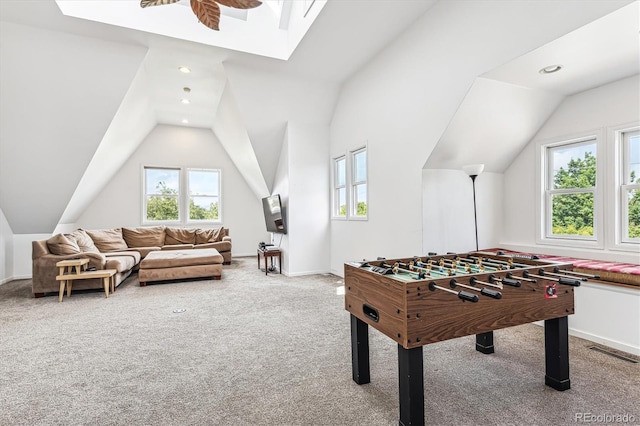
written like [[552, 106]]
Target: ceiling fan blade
[[240, 4], [146, 3], [208, 13]]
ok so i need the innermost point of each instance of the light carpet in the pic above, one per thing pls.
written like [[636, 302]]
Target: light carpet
[[252, 349]]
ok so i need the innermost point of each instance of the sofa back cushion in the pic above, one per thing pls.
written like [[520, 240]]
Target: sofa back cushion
[[144, 237], [179, 236], [84, 241], [60, 244], [108, 239], [205, 236]]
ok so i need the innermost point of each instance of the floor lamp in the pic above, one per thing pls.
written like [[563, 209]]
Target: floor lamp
[[473, 171], [484, 341]]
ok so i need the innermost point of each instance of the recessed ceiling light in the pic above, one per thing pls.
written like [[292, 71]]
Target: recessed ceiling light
[[185, 101], [185, 121], [550, 69], [185, 70]]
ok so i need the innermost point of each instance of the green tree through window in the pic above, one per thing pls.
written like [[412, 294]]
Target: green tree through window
[[572, 213], [163, 206]]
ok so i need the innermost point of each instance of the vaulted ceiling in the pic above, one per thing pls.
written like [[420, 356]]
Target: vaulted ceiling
[[77, 97]]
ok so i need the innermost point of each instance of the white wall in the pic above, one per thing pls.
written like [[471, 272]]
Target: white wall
[[401, 102], [308, 207], [6, 250], [447, 211], [592, 111], [120, 205], [605, 314], [608, 315], [281, 186]]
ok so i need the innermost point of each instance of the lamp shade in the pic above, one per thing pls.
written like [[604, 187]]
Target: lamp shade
[[473, 169]]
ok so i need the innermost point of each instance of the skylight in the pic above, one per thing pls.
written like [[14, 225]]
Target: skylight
[[273, 29]]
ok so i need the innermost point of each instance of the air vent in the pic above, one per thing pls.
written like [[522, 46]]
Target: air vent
[[613, 354]]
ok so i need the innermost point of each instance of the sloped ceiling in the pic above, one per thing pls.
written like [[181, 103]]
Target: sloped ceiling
[[55, 110], [506, 106]]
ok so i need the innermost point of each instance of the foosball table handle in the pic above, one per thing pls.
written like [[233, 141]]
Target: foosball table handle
[[467, 296], [491, 293], [569, 281]]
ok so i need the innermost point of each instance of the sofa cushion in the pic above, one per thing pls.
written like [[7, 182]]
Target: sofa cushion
[[178, 247], [144, 237], [179, 236], [84, 241], [108, 239], [62, 245], [204, 236], [220, 246], [122, 261]]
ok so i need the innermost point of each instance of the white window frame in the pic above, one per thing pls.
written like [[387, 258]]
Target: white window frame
[[351, 185], [354, 184], [622, 145], [188, 197], [544, 179], [183, 197], [144, 219], [335, 206]]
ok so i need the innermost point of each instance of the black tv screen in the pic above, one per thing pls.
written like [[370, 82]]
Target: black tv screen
[[273, 214]]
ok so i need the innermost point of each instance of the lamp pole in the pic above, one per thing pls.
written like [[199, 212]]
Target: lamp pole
[[475, 213]]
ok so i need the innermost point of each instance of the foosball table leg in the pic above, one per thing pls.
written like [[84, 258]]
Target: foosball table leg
[[556, 353], [360, 351], [484, 342], [411, 386]]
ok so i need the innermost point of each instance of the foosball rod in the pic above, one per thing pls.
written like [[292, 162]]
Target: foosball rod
[[463, 295], [484, 291], [563, 275], [474, 280], [427, 270], [580, 274], [474, 262], [563, 281], [395, 269], [501, 262], [507, 281], [531, 280], [463, 264]]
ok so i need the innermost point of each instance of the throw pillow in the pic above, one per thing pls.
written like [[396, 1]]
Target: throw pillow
[[179, 236], [204, 236], [84, 241], [108, 239], [144, 237], [61, 245]]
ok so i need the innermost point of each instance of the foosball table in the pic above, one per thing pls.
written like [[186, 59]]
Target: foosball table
[[421, 300]]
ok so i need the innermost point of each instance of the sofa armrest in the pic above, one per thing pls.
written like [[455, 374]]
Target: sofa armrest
[[226, 238], [95, 259]]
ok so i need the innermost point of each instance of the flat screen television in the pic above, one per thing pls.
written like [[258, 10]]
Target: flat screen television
[[273, 215]]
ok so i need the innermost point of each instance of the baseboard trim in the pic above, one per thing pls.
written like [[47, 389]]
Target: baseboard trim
[[19, 277], [634, 350]]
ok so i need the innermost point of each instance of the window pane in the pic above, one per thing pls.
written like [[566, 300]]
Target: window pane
[[203, 182], [633, 166], [574, 166], [572, 214], [162, 208], [360, 199], [360, 166], [162, 181], [341, 202], [633, 199], [341, 172], [203, 208]]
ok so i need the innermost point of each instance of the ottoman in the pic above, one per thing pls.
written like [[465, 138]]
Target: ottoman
[[179, 264]]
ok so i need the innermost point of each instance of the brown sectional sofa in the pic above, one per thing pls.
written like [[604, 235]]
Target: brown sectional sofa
[[121, 249]]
